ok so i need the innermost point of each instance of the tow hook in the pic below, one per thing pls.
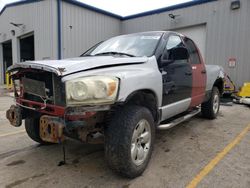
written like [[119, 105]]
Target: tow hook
[[51, 129], [14, 115]]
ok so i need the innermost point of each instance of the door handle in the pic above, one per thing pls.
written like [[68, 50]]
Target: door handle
[[203, 71], [188, 73]]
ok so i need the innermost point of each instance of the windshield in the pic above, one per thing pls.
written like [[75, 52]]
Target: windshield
[[134, 45]]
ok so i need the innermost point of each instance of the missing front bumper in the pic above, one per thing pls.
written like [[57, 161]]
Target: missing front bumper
[[55, 129], [51, 129]]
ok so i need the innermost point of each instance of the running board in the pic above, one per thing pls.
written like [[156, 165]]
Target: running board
[[178, 120]]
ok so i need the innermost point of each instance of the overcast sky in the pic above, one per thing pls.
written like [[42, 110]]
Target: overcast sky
[[122, 7]]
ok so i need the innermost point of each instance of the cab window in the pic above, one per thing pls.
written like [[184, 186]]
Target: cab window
[[173, 42], [193, 52]]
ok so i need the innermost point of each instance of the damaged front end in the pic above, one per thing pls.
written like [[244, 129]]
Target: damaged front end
[[42, 94]]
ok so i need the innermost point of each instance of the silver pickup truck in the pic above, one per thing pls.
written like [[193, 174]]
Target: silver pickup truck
[[117, 93]]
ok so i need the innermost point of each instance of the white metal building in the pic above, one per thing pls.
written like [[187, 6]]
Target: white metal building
[[55, 29]]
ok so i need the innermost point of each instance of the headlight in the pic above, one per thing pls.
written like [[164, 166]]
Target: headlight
[[92, 90]]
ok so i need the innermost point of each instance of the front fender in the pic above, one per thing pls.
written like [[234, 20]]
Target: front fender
[[144, 77], [133, 77]]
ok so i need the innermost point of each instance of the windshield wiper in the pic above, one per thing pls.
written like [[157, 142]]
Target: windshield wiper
[[115, 53]]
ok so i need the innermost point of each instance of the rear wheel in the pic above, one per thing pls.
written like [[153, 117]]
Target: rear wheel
[[33, 130], [129, 140], [210, 109]]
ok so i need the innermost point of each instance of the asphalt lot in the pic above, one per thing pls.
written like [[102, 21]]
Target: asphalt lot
[[180, 154]]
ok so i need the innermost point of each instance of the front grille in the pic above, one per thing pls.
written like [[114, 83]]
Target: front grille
[[39, 85]]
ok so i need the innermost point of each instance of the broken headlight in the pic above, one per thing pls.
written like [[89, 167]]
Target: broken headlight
[[92, 90]]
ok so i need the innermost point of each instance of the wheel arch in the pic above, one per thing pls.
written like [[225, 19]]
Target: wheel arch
[[219, 83], [146, 98]]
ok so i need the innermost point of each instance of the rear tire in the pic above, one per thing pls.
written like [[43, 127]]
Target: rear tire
[[210, 109], [129, 140], [33, 130]]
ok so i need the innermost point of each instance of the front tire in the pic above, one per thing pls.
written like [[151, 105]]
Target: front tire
[[33, 130], [210, 109], [129, 140]]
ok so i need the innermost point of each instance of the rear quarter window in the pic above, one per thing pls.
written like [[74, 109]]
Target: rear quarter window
[[193, 51]]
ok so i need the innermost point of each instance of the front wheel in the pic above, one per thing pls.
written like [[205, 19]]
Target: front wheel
[[210, 109], [129, 140]]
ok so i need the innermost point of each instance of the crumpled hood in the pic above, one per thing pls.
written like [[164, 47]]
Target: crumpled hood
[[68, 66]]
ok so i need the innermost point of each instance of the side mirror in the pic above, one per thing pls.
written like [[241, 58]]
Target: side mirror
[[174, 54]]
